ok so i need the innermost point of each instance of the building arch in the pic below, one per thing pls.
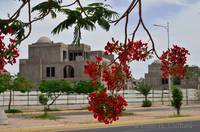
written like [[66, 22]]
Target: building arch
[[68, 71]]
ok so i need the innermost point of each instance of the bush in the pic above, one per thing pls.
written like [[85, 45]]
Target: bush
[[43, 101], [54, 89], [145, 90], [13, 111], [177, 98], [146, 103]]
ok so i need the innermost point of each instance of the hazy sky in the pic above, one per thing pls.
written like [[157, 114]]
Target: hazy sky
[[183, 16]]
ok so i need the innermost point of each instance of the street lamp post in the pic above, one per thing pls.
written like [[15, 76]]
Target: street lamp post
[[168, 45]]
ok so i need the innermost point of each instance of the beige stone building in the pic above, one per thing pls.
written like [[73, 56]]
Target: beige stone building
[[154, 78], [54, 61]]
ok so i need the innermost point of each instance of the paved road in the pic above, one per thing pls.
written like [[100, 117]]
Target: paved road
[[193, 126]]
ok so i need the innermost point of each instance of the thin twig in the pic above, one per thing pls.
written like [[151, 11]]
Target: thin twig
[[145, 28], [129, 9], [15, 15], [70, 4], [126, 30], [30, 24], [134, 32]]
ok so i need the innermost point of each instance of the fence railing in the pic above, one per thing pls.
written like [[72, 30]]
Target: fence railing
[[132, 96]]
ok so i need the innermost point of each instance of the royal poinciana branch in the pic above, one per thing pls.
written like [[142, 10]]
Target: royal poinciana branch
[[114, 76], [8, 52]]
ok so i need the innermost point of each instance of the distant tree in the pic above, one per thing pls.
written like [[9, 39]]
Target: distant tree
[[14, 83], [145, 90], [177, 98], [54, 89], [85, 87], [192, 73], [22, 84], [4, 82], [43, 101]]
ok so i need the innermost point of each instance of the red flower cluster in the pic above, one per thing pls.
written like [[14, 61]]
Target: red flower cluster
[[9, 53], [106, 108], [93, 69], [132, 51], [173, 62], [115, 76]]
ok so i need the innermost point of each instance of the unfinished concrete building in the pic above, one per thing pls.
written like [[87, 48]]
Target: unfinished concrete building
[[55, 61], [155, 79]]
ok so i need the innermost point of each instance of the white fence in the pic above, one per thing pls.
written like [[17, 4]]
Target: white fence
[[132, 96]]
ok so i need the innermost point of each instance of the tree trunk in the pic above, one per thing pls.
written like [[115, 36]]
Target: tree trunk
[[178, 111], [146, 98], [45, 110], [48, 106], [162, 96], [10, 100], [187, 95]]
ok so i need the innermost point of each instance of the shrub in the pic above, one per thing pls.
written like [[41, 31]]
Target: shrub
[[177, 98], [146, 103], [145, 90], [43, 101]]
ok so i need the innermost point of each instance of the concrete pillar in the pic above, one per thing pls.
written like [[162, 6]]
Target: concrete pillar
[[3, 117]]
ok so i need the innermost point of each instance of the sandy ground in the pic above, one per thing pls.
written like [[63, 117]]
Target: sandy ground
[[88, 119]]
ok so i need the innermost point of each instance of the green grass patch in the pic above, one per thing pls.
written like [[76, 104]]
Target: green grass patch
[[47, 117], [128, 114], [13, 111], [174, 116]]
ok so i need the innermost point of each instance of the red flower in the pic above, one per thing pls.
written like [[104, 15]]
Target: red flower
[[13, 40], [10, 30], [8, 54], [105, 107], [173, 62], [98, 59]]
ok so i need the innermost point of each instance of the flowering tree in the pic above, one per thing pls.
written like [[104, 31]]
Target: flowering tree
[[106, 106]]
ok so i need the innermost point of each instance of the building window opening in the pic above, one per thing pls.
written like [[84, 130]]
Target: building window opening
[[72, 56], [68, 72], [50, 71], [164, 81], [64, 55]]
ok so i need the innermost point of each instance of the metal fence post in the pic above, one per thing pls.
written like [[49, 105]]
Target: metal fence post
[[13, 98], [3, 99], [37, 97], [28, 98], [67, 98]]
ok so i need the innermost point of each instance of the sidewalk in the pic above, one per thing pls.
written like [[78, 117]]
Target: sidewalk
[[71, 122]]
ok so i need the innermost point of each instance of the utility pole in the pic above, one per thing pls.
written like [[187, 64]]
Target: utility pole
[[168, 46]]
